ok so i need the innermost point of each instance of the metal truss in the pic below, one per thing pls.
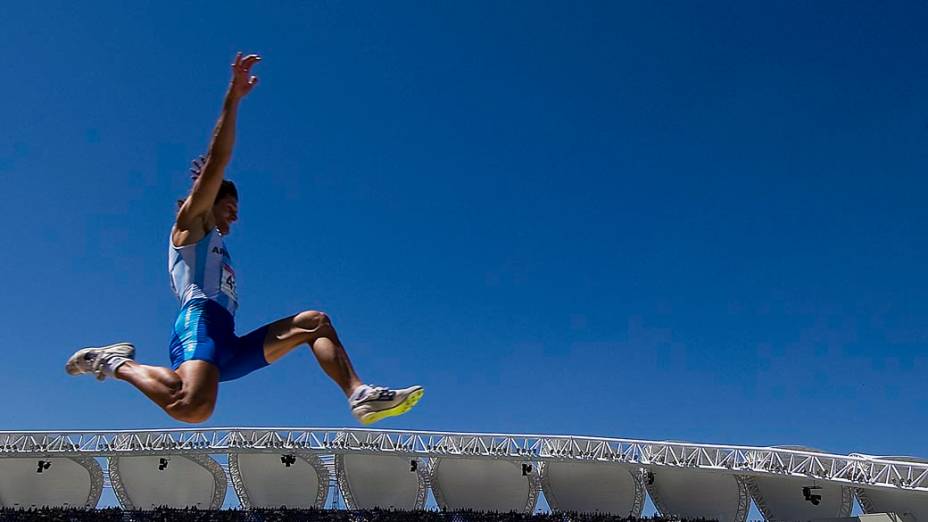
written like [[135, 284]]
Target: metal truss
[[853, 471], [96, 479], [865, 502]]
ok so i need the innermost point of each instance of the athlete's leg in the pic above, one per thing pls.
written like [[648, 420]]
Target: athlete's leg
[[269, 343], [315, 329], [188, 395], [203, 332]]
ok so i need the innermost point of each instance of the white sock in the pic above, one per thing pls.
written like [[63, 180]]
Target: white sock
[[112, 363], [358, 392]]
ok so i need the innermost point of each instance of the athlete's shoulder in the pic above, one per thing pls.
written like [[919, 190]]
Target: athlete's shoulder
[[186, 237]]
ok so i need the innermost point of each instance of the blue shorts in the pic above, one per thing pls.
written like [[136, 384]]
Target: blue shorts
[[205, 331]]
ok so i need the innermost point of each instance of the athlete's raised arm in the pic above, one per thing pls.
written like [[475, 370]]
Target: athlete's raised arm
[[195, 217]]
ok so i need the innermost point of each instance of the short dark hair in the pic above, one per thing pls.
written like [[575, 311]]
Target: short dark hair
[[227, 189]]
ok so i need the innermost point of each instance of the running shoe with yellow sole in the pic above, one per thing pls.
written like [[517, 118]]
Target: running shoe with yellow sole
[[370, 404]]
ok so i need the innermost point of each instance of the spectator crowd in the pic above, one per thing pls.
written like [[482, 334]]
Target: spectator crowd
[[116, 514]]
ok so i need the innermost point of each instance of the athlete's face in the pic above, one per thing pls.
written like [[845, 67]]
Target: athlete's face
[[225, 212]]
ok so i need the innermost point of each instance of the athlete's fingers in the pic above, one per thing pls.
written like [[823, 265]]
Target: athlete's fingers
[[197, 166], [249, 61], [253, 81], [237, 62]]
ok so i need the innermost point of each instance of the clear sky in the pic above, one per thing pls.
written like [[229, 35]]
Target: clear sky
[[665, 220]]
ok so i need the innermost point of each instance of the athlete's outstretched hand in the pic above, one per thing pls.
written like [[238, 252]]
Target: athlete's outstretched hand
[[242, 80]]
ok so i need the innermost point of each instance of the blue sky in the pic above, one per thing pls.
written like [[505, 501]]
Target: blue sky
[[654, 220]]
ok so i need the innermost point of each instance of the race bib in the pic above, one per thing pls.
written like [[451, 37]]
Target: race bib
[[228, 282]]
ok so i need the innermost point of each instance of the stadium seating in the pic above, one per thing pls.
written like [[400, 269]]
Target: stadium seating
[[308, 515]]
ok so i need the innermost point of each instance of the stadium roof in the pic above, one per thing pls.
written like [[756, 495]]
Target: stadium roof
[[272, 467]]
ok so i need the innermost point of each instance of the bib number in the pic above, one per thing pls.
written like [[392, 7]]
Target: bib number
[[228, 282]]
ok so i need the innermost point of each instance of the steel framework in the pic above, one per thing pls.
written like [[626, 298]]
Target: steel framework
[[850, 470]]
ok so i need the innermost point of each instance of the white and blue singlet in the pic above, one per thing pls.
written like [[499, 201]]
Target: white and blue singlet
[[203, 280]]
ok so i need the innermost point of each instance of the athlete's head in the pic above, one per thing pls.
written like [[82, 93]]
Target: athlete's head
[[225, 208]]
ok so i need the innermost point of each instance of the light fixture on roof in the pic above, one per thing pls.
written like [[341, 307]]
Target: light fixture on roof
[[810, 496]]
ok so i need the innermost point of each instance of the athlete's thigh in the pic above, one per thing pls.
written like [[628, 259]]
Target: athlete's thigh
[[201, 380], [285, 334]]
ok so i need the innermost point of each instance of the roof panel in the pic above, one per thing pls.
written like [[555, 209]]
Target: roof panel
[[26, 482], [371, 481], [488, 485], [589, 487], [694, 493], [148, 482], [911, 503], [782, 498], [275, 480]]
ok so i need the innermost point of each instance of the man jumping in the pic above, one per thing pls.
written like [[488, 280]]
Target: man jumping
[[204, 349]]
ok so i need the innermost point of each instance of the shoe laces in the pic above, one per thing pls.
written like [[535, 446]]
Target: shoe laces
[[380, 393], [376, 393]]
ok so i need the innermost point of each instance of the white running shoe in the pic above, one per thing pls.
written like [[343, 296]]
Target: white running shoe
[[100, 361], [370, 404]]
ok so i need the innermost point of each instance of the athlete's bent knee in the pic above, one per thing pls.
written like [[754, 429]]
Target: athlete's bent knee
[[313, 320], [191, 409]]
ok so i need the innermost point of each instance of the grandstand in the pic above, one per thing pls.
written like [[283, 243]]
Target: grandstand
[[366, 469]]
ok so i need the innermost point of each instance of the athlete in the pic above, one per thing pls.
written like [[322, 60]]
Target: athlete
[[204, 349]]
